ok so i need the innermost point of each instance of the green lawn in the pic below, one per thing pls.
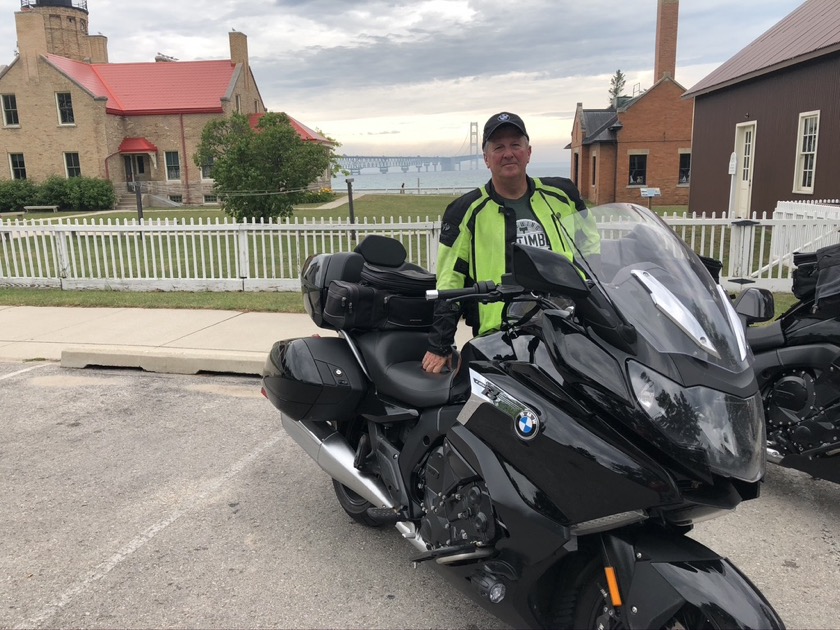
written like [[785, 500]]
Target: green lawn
[[267, 302]]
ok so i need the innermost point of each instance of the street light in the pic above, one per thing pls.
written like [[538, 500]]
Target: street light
[[349, 181]]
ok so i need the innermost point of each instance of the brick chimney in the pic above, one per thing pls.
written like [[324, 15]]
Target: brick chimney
[[667, 18], [239, 53]]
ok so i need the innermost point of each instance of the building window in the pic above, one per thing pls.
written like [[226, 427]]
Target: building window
[[10, 112], [806, 154], [238, 104], [176, 198], [638, 170], [65, 108], [207, 169], [73, 165], [18, 165], [685, 169], [173, 165], [211, 199], [594, 169]]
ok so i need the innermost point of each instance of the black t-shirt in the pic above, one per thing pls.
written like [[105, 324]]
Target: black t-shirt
[[529, 231]]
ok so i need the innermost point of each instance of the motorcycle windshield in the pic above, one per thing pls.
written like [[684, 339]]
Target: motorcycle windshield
[[658, 284]]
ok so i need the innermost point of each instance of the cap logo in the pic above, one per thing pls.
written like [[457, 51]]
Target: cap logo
[[504, 117]]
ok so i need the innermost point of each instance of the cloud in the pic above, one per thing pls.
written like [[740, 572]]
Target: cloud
[[390, 75]]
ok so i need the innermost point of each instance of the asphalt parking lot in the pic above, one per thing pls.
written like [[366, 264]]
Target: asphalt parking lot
[[133, 499]]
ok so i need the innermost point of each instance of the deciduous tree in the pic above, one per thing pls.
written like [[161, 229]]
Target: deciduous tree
[[262, 172]]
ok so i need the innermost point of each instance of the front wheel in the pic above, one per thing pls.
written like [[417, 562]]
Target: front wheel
[[355, 506], [587, 604]]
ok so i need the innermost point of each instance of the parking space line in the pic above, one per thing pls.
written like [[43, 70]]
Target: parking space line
[[196, 500], [29, 369]]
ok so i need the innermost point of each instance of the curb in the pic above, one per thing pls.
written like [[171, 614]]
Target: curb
[[167, 360]]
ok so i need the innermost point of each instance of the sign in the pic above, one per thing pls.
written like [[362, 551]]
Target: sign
[[733, 163], [650, 192]]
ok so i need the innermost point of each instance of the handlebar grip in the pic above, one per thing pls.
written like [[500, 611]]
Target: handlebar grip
[[479, 288]]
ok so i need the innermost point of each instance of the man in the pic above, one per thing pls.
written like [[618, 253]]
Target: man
[[479, 227]]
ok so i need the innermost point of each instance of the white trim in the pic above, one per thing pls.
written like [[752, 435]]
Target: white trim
[[798, 165]]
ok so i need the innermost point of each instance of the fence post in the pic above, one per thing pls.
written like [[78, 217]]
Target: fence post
[[741, 248], [432, 241], [244, 260], [61, 250]]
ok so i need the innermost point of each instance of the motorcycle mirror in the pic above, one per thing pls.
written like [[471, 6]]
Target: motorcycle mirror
[[544, 271], [755, 305]]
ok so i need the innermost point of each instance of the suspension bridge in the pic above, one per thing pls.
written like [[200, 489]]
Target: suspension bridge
[[355, 163]]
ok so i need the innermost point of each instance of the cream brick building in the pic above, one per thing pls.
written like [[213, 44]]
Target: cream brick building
[[67, 111]]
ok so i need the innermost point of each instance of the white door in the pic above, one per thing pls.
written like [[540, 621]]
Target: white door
[[745, 149]]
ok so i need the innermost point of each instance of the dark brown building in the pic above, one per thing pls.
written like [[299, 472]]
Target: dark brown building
[[642, 142], [767, 122]]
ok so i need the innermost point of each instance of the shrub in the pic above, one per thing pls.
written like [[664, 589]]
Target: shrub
[[16, 193]]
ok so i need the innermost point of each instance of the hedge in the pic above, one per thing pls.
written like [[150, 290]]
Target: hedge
[[77, 193]]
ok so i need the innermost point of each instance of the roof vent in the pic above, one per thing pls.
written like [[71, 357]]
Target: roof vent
[[165, 58]]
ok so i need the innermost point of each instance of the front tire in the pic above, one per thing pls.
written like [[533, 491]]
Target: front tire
[[355, 506]]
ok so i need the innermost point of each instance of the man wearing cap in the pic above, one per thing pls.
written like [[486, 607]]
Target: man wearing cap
[[479, 227]]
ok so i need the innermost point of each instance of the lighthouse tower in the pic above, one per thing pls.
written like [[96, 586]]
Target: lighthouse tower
[[58, 27]]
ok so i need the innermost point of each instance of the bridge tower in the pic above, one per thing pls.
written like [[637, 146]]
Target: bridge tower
[[475, 147]]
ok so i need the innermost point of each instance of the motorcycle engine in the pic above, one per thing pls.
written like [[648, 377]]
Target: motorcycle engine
[[803, 410], [457, 507]]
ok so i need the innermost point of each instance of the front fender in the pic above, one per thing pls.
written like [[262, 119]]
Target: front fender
[[660, 573]]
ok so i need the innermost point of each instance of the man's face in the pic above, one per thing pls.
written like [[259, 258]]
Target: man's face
[[507, 153]]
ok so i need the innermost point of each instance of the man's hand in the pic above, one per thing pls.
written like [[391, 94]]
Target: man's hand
[[435, 363]]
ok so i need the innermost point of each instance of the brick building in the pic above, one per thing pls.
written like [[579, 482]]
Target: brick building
[[640, 142], [67, 111]]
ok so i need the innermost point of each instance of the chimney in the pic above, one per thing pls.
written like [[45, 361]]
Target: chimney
[[667, 18], [239, 53]]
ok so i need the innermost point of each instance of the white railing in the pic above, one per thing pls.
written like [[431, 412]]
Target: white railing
[[254, 256]]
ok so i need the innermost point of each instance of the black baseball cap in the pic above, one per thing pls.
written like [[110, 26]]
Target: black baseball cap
[[502, 118]]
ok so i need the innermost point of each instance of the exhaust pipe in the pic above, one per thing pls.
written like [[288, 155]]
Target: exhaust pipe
[[331, 452]]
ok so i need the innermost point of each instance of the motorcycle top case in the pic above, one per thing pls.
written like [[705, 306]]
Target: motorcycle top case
[[315, 378], [318, 272]]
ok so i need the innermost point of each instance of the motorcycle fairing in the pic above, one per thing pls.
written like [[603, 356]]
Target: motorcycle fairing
[[567, 461]]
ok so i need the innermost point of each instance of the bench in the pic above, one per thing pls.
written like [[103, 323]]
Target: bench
[[40, 208], [10, 215]]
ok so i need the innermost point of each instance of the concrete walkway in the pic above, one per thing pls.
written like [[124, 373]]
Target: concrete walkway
[[158, 340]]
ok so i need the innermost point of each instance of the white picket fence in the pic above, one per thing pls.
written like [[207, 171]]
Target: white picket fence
[[264, 256]]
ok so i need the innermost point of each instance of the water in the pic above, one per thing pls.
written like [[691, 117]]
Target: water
[[392, 181]]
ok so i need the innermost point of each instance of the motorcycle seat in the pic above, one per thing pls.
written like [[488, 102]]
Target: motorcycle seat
[[763, 338], [393, 361]]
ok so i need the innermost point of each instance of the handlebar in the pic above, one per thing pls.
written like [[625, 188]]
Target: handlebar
[[479, 288]]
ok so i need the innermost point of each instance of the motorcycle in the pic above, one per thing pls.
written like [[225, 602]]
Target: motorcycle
[[553, 474], [797, 364]]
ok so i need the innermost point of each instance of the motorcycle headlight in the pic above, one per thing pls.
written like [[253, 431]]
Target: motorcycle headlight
[[729, 429]]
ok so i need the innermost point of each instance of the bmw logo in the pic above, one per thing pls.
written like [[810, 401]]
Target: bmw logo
[[504, 117], [526, 425]]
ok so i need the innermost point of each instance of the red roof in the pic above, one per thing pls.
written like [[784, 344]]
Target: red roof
[[137, 145], [143, 89], [303, 131]]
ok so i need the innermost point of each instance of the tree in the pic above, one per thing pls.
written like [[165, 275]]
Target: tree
[[617, 87], [262, 172]]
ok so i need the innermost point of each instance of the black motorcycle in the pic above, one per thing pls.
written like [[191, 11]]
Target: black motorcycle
[[797, 364], [554, 473]]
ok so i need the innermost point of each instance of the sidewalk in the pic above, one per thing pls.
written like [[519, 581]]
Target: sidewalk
[[157, 340]]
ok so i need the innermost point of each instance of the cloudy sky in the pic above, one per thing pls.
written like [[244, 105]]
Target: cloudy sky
[[394, 77]]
